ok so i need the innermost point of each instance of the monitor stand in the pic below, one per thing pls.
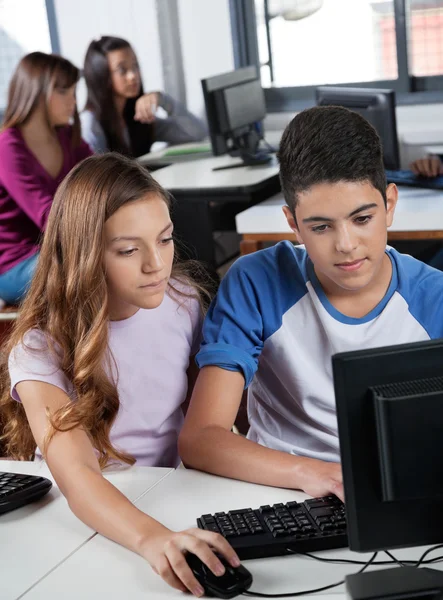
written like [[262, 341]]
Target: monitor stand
[[399, 583], [246, 147], [248, 161]]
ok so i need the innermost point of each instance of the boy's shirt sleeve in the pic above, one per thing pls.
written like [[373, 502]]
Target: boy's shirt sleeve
[[249, 307], [233, 328]]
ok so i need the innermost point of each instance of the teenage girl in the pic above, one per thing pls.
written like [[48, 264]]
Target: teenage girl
[[101, 355], [119, 115], [39, 144]]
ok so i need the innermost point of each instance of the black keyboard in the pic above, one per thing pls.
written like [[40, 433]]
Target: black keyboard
[[309, 526], [17, 490], [410, 179]]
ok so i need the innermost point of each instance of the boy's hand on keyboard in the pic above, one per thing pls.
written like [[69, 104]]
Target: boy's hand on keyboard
[[165, 551], [427, 167], [319, 478]]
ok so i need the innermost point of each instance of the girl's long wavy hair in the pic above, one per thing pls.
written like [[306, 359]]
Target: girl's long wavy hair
[[100, 100], [68, 302], [36, 76]]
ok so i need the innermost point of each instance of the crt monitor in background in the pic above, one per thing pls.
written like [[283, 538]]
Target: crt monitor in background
[[377, 106], [235, 107], [390, 422]]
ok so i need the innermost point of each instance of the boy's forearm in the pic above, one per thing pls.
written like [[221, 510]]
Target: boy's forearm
[[219, 451]]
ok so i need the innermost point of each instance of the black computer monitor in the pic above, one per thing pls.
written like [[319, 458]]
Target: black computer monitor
[[377, 106], [235, 107], [390, 422]]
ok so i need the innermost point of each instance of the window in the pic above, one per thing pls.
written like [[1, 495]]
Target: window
[[308, 51], [426, 38], [300, 44], [20, 35]]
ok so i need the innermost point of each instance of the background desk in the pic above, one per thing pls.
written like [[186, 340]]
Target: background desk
[[207, 201], [103, 570], [418, 216], [35, 538]]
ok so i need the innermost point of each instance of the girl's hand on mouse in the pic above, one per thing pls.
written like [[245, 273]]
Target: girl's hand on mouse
[[165, 551]]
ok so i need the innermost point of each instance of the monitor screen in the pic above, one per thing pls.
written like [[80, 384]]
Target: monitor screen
[[239, 106], [235, 107], [390, 422], [377, 106]]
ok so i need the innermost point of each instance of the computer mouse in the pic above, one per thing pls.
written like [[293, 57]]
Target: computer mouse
[[233, 582]]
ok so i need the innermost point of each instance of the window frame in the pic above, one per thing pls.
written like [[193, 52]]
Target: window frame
[[52, 25], [409, 89]]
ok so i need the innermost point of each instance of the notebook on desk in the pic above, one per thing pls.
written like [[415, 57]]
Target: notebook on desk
[[180, 153]]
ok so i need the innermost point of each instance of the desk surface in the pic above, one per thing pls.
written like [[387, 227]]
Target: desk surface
[[35, 538], [417, 210], [198, 178], [434, 149], [102, 569]]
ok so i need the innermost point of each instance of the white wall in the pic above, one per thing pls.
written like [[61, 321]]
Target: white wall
[[80, 21], [20, 36], [205, 33]]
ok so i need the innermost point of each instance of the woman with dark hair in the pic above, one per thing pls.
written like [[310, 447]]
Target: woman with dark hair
[[38, 147], [118, 114]]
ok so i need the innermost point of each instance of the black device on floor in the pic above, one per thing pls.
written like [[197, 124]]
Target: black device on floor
[[309, 526], [390, 422], [408, 178], [17, 490], [233, 582]]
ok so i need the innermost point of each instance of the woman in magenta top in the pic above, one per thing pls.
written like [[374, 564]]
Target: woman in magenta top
[[38, 147]]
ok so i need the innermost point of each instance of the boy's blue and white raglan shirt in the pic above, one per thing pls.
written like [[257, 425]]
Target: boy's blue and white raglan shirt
[[272, 321]]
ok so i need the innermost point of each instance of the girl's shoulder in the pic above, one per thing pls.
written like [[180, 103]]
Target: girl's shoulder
[[35, 358], [184, 295], [10, 138], [35, 345]]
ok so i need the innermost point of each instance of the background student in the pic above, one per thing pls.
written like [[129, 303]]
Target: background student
[[91, 371], [38, 147], [118, 114], [280, 314], [429, 166]]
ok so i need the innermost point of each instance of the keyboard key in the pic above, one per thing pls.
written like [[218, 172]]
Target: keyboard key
[[321, 512], [279, 533]]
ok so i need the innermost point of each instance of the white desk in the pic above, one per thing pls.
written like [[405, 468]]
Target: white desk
[[419, 215], [35, 538], [434, 149], [103, 570], [199, 178]]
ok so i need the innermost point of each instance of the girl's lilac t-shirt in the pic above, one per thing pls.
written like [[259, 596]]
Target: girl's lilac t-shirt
[[152, 351]]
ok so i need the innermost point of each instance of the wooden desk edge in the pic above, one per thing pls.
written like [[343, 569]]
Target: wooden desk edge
[[251, 242]]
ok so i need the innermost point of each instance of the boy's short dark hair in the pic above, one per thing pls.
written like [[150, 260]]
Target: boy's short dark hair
[[328, 144]]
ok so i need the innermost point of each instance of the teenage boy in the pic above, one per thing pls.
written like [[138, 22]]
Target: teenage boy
[[281, 313]]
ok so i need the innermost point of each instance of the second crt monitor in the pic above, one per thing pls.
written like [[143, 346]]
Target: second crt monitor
[[235, 108], [377, 106]]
